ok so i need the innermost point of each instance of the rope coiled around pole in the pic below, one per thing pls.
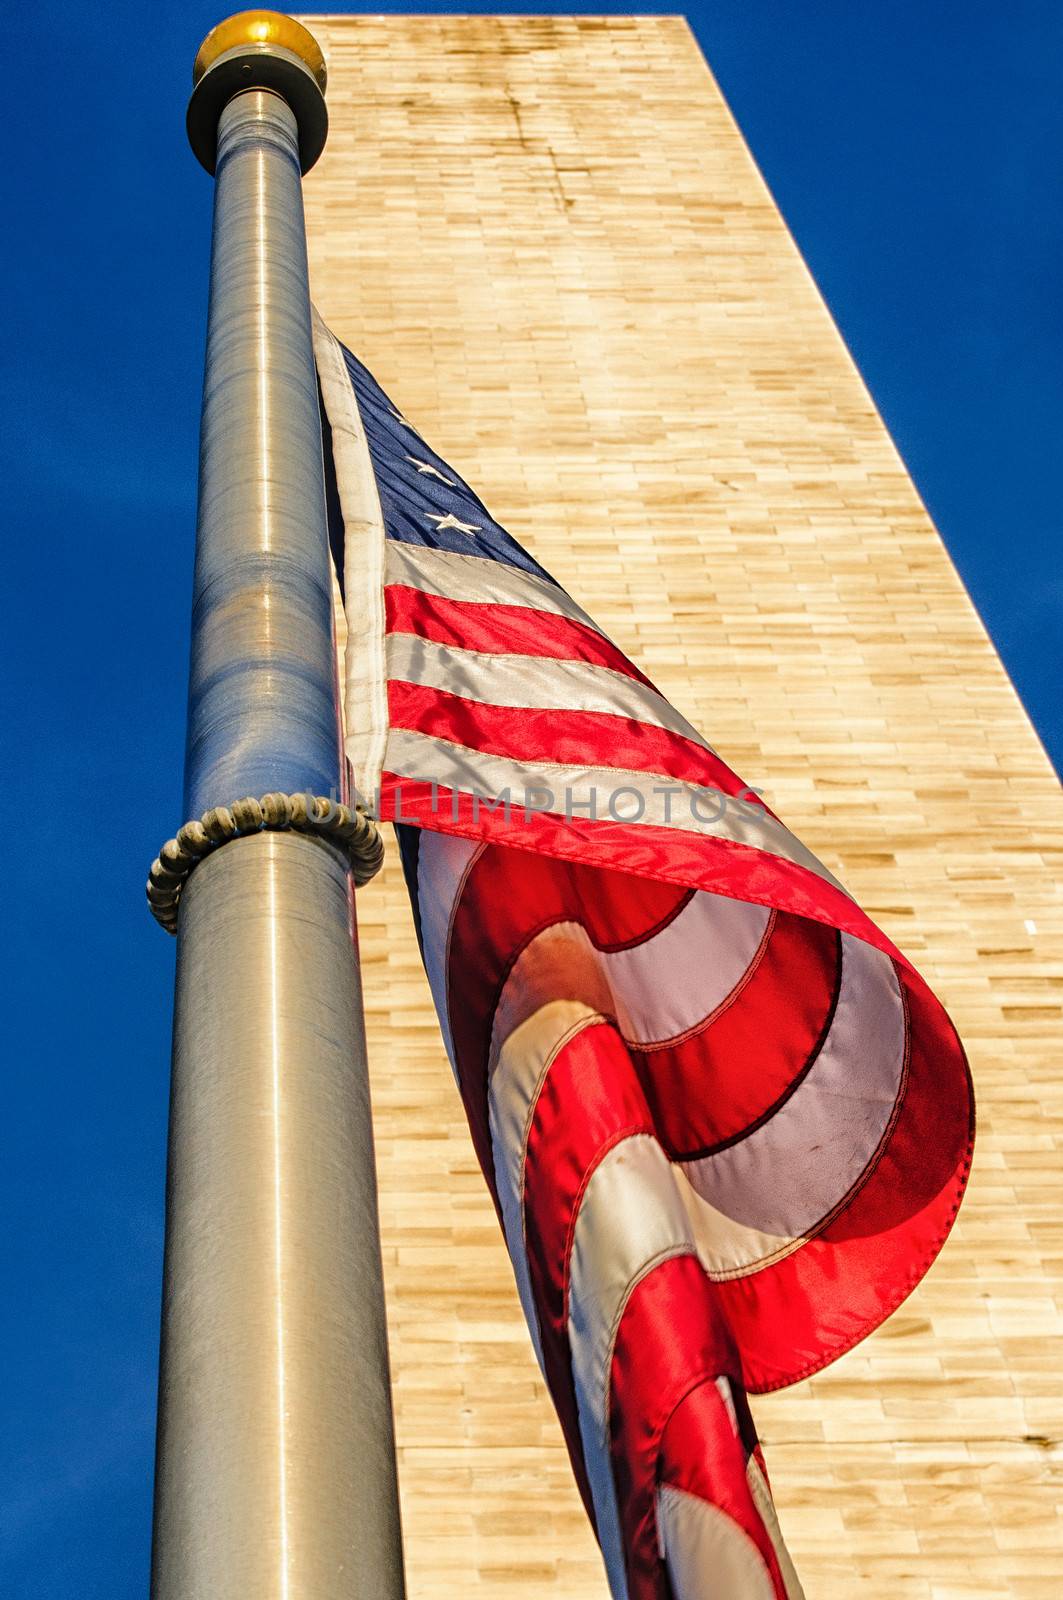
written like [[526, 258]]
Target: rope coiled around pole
[[355, 834]]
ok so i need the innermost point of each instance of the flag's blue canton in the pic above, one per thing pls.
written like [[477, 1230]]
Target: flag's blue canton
[[414, 502]]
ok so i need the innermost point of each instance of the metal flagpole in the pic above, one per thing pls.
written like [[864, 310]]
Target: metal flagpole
[[276, 1466]]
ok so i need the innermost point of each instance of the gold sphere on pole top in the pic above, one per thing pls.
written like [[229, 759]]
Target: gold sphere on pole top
[[259, 50], [261, 28]]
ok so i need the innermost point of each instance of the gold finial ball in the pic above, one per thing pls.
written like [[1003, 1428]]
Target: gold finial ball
[[257, 28]]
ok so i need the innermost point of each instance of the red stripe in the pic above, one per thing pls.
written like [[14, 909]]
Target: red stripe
[[579, 738], [793, 1318], [590, 1099], [702, 1455], [667, 855], [501, 630], [671, 1346], [755, 1050], [510, 896]]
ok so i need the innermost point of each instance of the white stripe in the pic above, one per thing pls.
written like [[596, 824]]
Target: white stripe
[[477, 581], [339, 629], [442, 864], [518, 1072], [726, 1248], [657, 990], [531, 682], [629, 1220], [558, 964], [677, 979], [614, 792], [776, 1187], [366, 700], [723, 1389], [709, 1557], [764, 1503], [633, 1213]]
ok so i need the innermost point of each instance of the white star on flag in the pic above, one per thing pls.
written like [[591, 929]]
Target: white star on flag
[[427, 467], [450, 521], [400, 418]]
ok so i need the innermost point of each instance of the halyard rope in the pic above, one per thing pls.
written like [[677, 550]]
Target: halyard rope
[[352, 831]]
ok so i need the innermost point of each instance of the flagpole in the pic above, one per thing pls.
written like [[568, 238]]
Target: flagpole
[[275, 1471]]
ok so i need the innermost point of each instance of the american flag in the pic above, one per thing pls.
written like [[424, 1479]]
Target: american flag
[[725, 1124]]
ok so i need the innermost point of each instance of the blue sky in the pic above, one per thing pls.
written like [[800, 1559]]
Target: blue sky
[[916, 152]]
